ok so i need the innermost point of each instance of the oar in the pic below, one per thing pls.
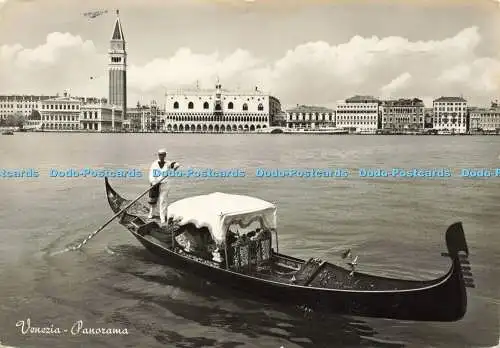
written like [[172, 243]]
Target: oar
[[90, 236]]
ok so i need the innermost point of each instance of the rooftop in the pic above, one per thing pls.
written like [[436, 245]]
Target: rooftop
[[139, 109], [451, 99], [492, 110], [24, 97], [99, 104], [190, 90], [362, 99], [210, 92], [309, 108], [65, 98], [118, 30], [404, 102]]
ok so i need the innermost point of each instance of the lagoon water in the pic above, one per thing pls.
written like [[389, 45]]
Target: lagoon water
[[394, 224]]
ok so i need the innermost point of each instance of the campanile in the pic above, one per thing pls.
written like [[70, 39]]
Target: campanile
[[118, 67]]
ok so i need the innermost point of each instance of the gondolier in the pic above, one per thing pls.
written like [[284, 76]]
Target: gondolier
[[158, 195]]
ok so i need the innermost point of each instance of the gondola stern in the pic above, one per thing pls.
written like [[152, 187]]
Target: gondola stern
[[458, 252], [455, 240]]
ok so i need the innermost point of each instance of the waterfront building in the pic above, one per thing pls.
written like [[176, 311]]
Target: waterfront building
[[33, 121], [359, 113], [160, 118], [135, 118], [428, 117], [402, 114], [219, 110], [304, 116], [51, 114], [60, 113], [68, 113], [92, 100], [117, 68], [21, 105], [144, 118], [474, 123], [156, 121], [485, 120], [100, 117], [450, 114], [279, 119]]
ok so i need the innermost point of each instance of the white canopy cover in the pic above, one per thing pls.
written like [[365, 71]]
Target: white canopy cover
[[218, 211]]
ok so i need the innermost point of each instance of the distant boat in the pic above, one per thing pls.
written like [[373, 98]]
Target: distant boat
[[325, 130], [7, 133], [366, 132]]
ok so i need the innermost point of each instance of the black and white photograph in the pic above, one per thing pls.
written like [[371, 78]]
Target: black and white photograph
[[250, 173]]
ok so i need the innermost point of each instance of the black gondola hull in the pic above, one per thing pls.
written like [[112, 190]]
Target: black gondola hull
[[416, 305], [443, 299]]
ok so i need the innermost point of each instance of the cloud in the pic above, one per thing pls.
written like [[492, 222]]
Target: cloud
[[62, 61], [186, 67], [483, 74], [311, 73], [459, 73], [49, 53], [396, 85]]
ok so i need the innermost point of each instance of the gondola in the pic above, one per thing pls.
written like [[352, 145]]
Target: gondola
[[239, 232]]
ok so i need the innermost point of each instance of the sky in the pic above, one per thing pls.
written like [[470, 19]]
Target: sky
[[312, 52]]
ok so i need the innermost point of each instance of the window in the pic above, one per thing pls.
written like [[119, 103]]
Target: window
[[176, 105], [190, 105], [245, 107], [260, 107], [205, 105], [230, 105]]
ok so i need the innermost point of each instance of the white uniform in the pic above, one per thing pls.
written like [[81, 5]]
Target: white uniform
[[162, 202]]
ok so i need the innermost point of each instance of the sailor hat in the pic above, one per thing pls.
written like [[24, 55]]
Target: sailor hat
[[162, 151]]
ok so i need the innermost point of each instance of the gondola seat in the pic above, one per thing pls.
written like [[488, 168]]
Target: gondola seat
[[308, 272]]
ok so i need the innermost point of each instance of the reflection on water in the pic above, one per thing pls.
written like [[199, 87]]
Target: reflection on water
[[219, 307]]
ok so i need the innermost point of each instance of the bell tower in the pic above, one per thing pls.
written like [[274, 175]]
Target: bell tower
[[118, 67]]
